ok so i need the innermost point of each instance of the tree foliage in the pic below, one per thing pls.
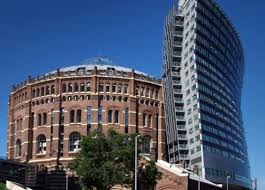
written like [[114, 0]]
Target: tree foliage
[[108, 160]]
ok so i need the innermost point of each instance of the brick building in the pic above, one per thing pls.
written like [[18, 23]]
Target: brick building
[[47, 115]]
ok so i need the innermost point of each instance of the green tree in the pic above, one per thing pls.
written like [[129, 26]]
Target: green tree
[[108, 160]]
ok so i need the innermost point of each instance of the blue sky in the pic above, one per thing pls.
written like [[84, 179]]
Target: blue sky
[[39, 36]]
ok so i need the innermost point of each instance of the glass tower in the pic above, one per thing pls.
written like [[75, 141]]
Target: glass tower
[[203, 65]]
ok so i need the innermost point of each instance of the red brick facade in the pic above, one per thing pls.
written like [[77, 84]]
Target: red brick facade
[[44, 112]]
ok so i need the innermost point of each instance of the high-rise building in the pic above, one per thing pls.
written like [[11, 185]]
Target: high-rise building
[[203, 65]]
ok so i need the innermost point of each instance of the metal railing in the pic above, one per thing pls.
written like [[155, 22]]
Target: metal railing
[[180, 136]]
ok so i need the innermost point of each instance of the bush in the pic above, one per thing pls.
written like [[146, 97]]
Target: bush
[[3, 186]]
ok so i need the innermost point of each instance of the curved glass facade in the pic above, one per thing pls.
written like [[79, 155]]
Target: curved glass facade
[[203, 74]]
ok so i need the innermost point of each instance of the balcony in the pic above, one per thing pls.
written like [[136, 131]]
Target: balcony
[[177, 91], [181, 127], [178, 100], [177, 53], [179, 23], [178, 33], [182, 137], [183, 146], [183, 156], [178, 43], [175, 73], [179, 109], [176, 64]]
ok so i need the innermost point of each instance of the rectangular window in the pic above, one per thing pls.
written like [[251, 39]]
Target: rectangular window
[[88, 118], [126, 120], [52, 119], [44, 118], [62, 116], [110, 116], [144, 119], [150, 120], [72, 116], [78, 116], [116, 116], [38, 121], [197, 138], [100, 115]]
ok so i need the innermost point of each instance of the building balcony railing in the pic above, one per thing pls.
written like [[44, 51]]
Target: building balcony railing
[[175, 73], [183, 156], [177, 43], [183, 146], [181, 127], [179, 23], [177, 53], [178, 33], [176, 64], [177, 90], [180, 136], [178, 100]]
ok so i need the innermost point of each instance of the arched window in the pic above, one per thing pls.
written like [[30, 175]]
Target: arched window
[[125, 89], [41, 144], [156, 94], [88, 87], [18, 148], [144, 119], [114, 87], [142, 91], [70, 87], [72, 116], [74, 141], [119, 88], [147, 145], [33, 93], [39, 119], [47, 90], [82, 87], [38, 92], [42, 91], [52, 89], [107, 87], [137, 90], [110, 116], [76, 87], [44, 119], [116, 116], [101, 87], [147, 92], [150, 120], [63, 88], [152, 93]]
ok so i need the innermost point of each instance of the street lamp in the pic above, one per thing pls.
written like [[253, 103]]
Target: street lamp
[[227, 177], [135, 160]]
